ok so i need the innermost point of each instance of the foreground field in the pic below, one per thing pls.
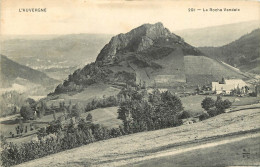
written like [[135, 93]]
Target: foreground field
[[238, 151], [136, 147]]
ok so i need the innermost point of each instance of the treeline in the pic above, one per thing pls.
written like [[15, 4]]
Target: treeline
[[122, 96], [56, 138], [155, 111], [102, 103], [81, 78]]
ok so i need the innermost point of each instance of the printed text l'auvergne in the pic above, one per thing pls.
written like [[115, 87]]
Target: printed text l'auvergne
[[32, 10]]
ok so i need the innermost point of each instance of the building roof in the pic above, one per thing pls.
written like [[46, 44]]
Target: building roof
[[229, 84]]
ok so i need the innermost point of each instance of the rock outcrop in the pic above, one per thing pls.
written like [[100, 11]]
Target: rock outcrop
[[137, 40]]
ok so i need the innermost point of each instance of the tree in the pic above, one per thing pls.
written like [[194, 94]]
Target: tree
[[203, 116], [76, 110], [171, 103], [219, 105], [27, 112], [154, 97], [226, 104], [246, 89], [222, 105], [54, 114], [160, 111], [207, 103], [213, 112], [82, 125], [198, 89], [238, 90], [89, 118], [184, 115], [54, 127], [30, 101], [42, 109]]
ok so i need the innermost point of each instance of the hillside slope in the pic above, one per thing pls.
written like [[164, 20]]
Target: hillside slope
[[55, 55], [45, 52], [217, 35], [147, 145], [10, 71], [244, 53], [149, 53]]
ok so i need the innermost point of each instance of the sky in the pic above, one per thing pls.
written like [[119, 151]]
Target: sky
[[116, 16]]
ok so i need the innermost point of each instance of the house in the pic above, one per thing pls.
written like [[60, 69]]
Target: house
[[226, 86]]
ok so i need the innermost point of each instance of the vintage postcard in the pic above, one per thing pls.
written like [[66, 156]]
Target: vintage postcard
[[129, 83]]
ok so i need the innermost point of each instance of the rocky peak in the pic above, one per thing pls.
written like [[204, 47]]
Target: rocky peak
[[136, 40]]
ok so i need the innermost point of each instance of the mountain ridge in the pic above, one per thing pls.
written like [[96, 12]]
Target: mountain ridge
[[243, 53], [11, 70], [217, 36], [150, 53]]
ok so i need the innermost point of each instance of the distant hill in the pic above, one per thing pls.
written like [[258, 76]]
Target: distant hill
[[55, 55], [151, 54], [243, 53], [11, 71], [217, 35]]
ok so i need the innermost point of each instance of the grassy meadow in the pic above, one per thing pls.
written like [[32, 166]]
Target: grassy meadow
[[104, 116]]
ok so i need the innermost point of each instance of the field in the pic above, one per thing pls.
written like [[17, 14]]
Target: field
[[108, 116], [104, 116], [238, 153], [138, 147], [89, 93], [193, 103]]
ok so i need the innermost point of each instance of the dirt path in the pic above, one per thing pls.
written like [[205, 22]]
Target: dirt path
[[174, 151], [244, 152]]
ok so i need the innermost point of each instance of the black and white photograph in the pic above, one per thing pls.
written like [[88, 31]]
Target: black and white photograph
[[129, 83]]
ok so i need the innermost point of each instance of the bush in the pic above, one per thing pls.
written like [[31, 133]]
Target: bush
[[213, 112], [253, 94], [207, 103], [221, 105], [226, 104], [184, 115], [203, 116], [27, 112]]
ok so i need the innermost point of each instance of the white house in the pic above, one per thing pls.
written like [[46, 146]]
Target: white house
[[226, 86]]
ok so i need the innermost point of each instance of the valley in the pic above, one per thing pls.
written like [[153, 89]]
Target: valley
[[138, 101]]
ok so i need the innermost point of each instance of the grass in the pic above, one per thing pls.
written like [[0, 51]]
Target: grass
[[222, 155], [91, 92], [193, 103], [129, 149], [105, 116], [108, 116]]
